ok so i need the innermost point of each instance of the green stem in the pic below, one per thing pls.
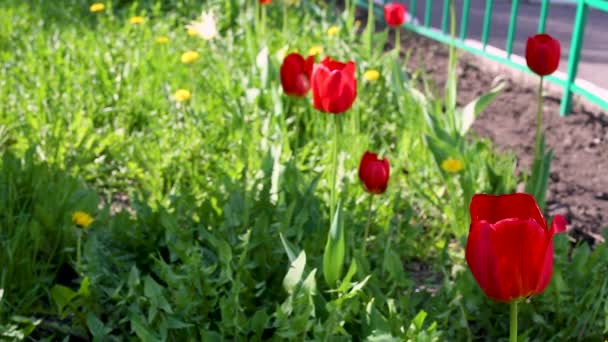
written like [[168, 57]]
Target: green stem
[[369, 223], [78, 247], [513, 326], [397, 42], [284, 19], [263, 21], [539, 120], [334, 168]]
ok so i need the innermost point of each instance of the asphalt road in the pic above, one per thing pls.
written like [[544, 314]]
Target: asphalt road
[[593, 66]]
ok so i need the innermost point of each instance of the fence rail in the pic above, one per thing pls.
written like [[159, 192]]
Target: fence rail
[[567, 82]]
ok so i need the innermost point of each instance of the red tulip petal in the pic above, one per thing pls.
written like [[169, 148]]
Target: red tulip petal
[[333, 64], [558, 225], [331, 91], [495, 208], [481, 259], [520, 247], [319, 75], [294, 79], [346, 95], [546, 270], [309, 65]]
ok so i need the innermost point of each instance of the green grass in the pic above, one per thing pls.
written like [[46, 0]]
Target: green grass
[[225, 191]]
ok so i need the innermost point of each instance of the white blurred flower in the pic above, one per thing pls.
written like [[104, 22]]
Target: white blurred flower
[[205, 27]]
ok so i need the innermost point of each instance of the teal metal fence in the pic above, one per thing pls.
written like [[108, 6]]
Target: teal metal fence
[[567, 83]]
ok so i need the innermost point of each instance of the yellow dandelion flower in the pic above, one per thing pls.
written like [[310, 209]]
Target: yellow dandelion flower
[[137, 20], [451, 165], [82, 219], [97, 7], [191, 32], [315, 50], [182, 95], [189, 57], [162, 40], [371, 75], [357, 23], [332, 31]]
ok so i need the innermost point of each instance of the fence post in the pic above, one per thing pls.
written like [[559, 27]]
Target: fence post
[[487, 20], [427, 13], [512, 27], [464, 21], [444, 16], [575, 53], [542, 19]]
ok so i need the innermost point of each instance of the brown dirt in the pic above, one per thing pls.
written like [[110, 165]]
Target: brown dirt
[[578, 187]]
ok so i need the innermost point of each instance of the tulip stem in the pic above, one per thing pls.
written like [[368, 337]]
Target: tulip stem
[[263, 22], [539, 120], [397, 42], [334, 163], [284, 20], [513, 326], [369, 223]]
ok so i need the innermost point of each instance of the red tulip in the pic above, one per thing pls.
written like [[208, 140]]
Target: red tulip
[[374, 173], [265, 2], [334, 87], [542, 54], [296, 73], [394, 14], [509, 248]]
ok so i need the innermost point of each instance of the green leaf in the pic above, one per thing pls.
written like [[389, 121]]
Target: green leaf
[[469, 113], [1, 294], [294, 274], [174, 323], [333, 257], [289, 249], [96, 327], [310, 283], [539, 180], [369, 31], [134, 276], [142, 331], [258, 321], [347, 278], [62, 296], [84, 288]]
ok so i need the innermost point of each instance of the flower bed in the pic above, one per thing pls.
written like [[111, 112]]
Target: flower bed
[[169, 176]]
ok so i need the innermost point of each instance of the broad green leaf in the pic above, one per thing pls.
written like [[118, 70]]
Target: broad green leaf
[[333, 257], [258, 321], [469, 113], [96, 327], [84, 288], [142, 331], [62, 296], [294, 274]]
